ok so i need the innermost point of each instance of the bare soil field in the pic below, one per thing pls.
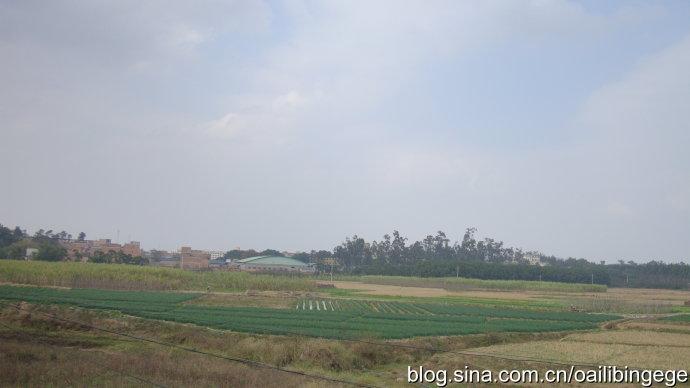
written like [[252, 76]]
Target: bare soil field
[[421, 292], [380, 289]]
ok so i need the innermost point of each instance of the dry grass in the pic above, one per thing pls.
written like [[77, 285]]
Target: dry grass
[[628, 300], [35, 362], [633, 337], [621, 306], [637, 355], [656, 326]]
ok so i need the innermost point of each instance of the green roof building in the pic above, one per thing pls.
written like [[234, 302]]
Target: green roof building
[[273, 264]]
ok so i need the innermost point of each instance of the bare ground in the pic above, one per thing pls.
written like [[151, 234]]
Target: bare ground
[[385, 289]]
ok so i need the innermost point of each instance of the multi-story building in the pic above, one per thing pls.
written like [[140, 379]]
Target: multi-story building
[[532, 259], [132, 248], [162, 258], [193, 259], [83, 249]]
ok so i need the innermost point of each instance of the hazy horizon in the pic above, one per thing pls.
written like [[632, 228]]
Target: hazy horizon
[[557, 126]]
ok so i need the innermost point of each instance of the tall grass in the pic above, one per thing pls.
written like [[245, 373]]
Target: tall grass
[[131, 277], [460, 284]]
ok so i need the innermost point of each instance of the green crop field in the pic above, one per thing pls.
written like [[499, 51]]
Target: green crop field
[[460, 284], [347, 318], [134, 277], [683, 318], [438, 309]]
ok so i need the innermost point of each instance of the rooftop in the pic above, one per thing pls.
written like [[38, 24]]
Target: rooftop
[[272, 260]]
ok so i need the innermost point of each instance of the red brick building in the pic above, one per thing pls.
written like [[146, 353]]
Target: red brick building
[[82, 250], [193, 259]]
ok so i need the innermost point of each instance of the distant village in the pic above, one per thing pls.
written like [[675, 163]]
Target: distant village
[[184, 258]]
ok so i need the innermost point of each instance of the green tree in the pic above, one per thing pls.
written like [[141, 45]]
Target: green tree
[[9, 237], [239, 254], [48, 251], [271, 252], [17, 251], [301, 256]]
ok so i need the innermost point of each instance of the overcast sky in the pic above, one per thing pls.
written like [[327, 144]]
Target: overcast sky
[[556, 126]]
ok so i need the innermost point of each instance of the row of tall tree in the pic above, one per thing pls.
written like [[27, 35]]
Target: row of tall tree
[[487, 258], [394, 249]]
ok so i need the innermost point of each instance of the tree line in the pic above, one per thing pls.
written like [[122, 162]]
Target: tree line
[[436, 256], [433, 256], [15, 242], [487, 258]]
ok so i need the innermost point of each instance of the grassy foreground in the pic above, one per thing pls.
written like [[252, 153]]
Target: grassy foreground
[[132, 277], [459, 284]]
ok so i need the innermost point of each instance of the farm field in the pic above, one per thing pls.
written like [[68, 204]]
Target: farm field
[[366, 334], [317, 317], [132, 277], [680, 318], [274, 290], [461, 284], [612, 301], [635, 349]]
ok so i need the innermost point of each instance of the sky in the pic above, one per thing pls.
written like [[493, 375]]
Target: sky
[[556, 126]]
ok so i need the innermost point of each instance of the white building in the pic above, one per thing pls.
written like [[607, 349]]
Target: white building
[[532, 259], [31, 253]]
